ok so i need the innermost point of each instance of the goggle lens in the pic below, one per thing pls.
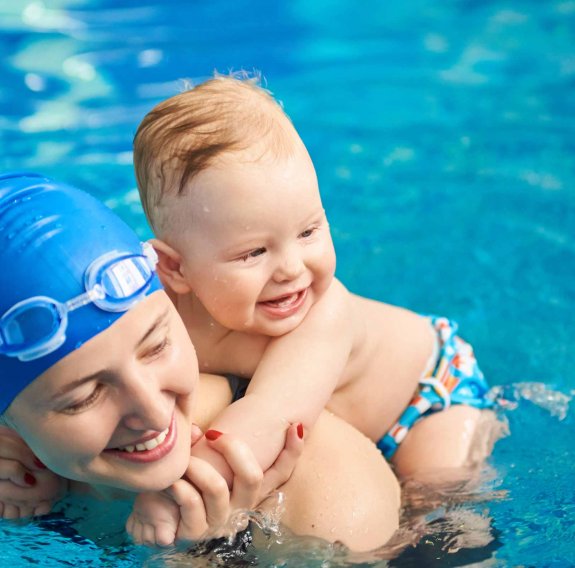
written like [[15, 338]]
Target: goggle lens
[[123, 281], [32, 325], [114, 282]]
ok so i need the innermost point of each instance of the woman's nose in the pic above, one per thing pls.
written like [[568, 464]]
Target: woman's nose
[[147, 407]]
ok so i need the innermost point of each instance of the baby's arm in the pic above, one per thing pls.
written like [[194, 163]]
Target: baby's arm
[[293, 382]]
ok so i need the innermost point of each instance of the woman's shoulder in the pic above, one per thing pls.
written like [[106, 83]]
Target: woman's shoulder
[[214, 394]]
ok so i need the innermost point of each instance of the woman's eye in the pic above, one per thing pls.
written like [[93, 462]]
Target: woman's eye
[[85, 403], [158, 348], [252, 254]]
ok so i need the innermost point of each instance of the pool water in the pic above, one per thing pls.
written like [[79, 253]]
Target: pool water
[[443, 134]]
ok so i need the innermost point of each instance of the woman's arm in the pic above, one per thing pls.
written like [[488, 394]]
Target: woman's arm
[[27, 488], [342, 488]]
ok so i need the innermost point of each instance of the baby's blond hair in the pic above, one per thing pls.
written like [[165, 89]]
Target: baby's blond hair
[[188, 132]]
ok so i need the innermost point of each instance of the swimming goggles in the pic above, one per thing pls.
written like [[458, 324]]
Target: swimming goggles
[[114, 282]]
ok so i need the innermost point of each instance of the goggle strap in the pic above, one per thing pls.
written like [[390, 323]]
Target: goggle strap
[[150, 254], [96, 293]]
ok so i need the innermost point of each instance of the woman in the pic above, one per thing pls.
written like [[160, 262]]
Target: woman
[[99, 379]]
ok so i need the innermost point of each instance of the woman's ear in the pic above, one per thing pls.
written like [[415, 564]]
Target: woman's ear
[[170, 267]]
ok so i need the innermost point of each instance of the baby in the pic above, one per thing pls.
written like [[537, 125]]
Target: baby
[[245, 248]]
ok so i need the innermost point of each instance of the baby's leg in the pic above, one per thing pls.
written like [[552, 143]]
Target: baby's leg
[[445, 445]]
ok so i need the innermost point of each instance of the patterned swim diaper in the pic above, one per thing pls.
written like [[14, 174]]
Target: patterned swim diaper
[[455, 379]]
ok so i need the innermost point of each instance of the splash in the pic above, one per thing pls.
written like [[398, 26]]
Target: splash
[[509, 397]]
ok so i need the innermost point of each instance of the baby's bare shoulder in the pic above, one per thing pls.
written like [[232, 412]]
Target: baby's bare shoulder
[[391, 319], [335, 307]]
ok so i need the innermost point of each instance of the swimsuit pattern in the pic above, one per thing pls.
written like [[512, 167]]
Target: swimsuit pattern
[[455, 379]]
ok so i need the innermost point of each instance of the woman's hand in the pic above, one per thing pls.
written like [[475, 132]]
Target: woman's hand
[[199, 506], [27, 488]]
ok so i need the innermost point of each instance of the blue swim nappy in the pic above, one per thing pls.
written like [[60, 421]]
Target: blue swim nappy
[[455, 379]]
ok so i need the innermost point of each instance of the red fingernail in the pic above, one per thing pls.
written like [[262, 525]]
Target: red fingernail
[[29, 479], [212, 435], [300, 431], [39, 463]]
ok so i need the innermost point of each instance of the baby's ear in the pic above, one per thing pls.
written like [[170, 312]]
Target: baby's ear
[[170, 267]]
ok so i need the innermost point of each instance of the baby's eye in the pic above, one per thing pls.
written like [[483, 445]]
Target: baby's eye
[[252, 254], [307, 233]]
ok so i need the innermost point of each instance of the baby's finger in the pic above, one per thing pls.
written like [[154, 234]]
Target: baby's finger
[[138, 534], [130, 525], [282, 469], [165, 534], [149, 535], [135, 528]]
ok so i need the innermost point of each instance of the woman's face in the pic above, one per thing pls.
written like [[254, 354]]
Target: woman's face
[[117, 411]]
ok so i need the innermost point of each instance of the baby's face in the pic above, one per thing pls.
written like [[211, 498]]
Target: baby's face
[[131, 384], [256, 247]]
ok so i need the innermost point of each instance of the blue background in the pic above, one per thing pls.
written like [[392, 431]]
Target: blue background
[[443, 134]]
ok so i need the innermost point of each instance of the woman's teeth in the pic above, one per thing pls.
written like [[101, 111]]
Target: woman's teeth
[[148, 445]]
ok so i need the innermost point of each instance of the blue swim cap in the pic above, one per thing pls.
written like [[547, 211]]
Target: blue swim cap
[[69, 268]]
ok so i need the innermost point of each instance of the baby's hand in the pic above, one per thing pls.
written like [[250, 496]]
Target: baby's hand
[[154, 520], [27, 488], [207, 506], [200, 506]]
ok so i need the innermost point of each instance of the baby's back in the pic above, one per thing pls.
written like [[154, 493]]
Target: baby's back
[[392, 347]]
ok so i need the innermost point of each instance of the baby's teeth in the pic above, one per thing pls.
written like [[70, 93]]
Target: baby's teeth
[[285, 301]]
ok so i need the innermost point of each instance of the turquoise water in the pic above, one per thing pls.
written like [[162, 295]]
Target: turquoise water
[[443, 134]]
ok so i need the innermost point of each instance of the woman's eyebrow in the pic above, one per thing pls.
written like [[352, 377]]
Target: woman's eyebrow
[[159, 321]]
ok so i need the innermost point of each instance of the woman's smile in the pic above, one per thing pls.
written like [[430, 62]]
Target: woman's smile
[[151, 449]]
